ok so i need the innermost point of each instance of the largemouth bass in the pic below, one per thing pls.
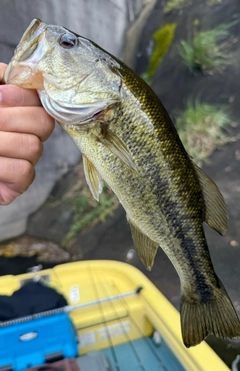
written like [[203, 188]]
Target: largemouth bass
[[128, 141]]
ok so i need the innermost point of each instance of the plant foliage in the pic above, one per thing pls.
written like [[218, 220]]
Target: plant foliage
[[201, 129], [208, 50]]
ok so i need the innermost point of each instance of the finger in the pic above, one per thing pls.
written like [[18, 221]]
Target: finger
[[22, 146], [32, 120], [15, 178], [3, 66], [11, 96], [15, 96]]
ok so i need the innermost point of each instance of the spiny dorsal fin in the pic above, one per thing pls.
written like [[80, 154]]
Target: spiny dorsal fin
[[145, 247], [216, 215], [116, 146], [93, 178]]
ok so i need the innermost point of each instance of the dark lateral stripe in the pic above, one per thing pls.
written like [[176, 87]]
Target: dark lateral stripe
[[202, 287]]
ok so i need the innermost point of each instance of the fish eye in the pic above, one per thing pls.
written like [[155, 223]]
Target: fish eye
[[68, 41]]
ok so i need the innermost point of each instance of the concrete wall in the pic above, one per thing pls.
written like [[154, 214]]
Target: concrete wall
[[105, 22]]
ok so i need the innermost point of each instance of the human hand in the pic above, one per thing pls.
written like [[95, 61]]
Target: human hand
[[24, 125]]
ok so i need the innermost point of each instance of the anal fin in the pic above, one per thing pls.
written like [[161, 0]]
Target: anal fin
[[145, 247], [93, 178], [216, 215]]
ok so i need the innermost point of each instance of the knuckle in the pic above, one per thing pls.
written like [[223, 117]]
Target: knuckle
[[35, 146], [27, 172], [46, 123]]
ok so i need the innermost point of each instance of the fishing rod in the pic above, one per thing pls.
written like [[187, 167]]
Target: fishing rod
[[71, 308]]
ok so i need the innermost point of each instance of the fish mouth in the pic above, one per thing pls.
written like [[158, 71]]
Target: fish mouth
[[33, 46], [35, 28]]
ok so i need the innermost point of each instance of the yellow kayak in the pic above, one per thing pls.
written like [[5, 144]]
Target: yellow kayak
[[116, 310]]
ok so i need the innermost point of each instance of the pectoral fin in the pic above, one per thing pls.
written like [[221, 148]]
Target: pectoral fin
[[145, 247], [93, 178], [216, 215], [116, 146]]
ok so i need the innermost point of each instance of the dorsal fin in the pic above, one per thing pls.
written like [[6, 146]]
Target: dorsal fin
[[216, 215], [93, 178], [145, 247]]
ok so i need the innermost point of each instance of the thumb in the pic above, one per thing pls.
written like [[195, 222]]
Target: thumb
[[3, 67]]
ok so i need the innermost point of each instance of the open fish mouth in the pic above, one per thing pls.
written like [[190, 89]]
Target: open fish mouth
[[21, 70], [35, 28]]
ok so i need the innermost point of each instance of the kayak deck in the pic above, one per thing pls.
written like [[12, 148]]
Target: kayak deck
[[122, 328], [143, 354]]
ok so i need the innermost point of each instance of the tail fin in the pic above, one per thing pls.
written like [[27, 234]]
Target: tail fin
[[217, 316]]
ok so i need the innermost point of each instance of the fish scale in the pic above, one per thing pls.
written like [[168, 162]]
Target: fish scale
[[129, 142]]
